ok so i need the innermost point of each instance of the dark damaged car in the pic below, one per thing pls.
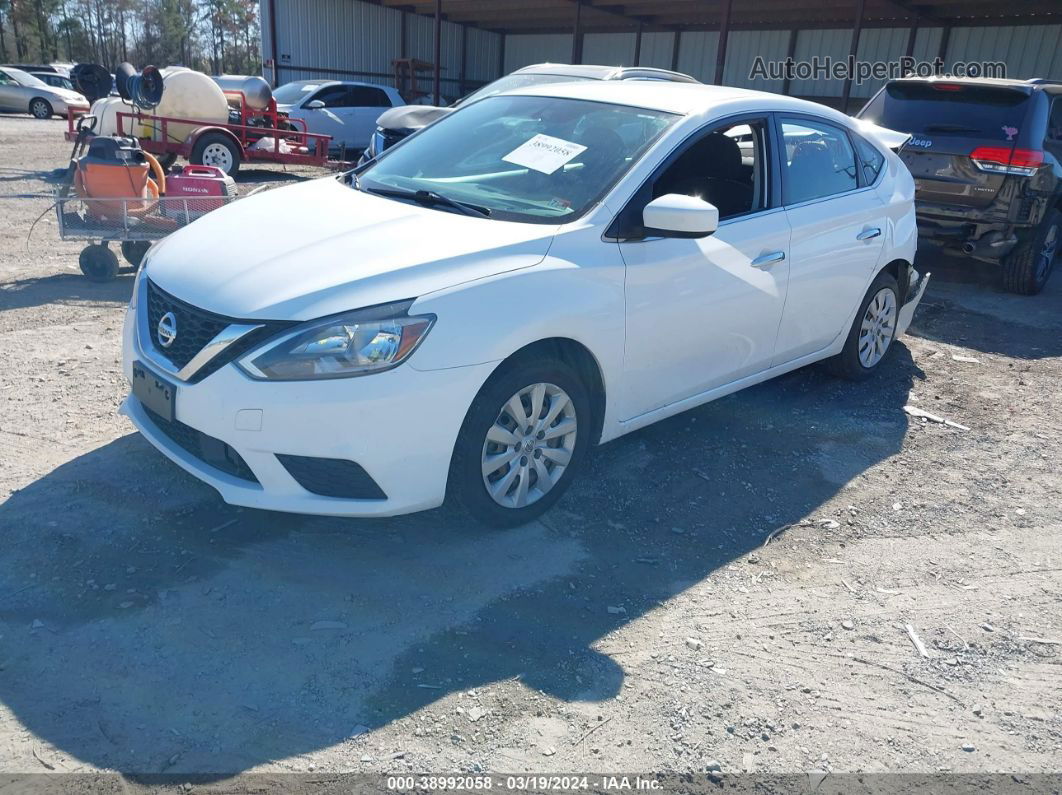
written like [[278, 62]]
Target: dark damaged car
[[986, 156]]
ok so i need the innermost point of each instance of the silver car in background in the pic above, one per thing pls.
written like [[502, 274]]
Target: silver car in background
[[21, 92]]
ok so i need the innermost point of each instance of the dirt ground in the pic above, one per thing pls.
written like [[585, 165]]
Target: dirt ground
[[645, 625]]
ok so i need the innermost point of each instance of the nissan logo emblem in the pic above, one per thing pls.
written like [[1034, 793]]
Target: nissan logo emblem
[[167, 330]]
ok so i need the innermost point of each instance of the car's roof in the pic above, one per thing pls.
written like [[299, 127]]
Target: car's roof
[[680, 98], [601, 72], [330, 82]]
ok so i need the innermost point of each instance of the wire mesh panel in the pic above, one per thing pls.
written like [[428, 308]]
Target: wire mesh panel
[[130, 219]]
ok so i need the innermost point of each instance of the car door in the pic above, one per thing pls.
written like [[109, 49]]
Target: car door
[[839, 225], [704, 312], [10, 93], [334, 118], [368, 103]]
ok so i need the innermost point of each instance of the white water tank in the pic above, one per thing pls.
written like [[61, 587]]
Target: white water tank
[[187, 95], [106, 122]]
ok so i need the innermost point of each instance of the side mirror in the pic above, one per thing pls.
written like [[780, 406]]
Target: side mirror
[[314, 104], [675, 215]]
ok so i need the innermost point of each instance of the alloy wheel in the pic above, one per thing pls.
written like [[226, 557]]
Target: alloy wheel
[[40, 109], [1048, 252], [529, 446], [878, 327]]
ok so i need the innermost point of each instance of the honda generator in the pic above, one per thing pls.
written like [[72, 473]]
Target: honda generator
[[196, 190]]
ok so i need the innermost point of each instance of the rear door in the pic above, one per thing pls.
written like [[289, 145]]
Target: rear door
[[964, 136], [839, 225]]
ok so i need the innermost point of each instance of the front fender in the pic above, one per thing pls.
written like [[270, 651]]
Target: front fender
[[489, 319]]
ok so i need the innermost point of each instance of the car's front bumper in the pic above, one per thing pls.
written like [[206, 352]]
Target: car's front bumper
[[64, 108], [400, 426]]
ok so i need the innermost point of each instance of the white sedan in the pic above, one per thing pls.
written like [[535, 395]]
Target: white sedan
[[345, 110], [534, 274]]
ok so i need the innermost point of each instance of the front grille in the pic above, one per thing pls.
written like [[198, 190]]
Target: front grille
[[332, 477], [392, 137], [197, 327], [207, 449]]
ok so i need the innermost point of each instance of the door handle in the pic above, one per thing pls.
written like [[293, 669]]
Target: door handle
[[767, 260], [868, 234]]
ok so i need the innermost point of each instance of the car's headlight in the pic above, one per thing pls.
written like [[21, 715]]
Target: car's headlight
[[377, 143], [355, 343]]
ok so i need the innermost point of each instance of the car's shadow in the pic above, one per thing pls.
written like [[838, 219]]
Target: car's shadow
[[148, 627], [966, 305], [249, 175], [61, 288]]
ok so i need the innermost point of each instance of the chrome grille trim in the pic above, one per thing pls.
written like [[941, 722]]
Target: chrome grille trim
[[222, 340]]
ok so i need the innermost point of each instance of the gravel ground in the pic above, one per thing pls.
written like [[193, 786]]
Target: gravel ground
[[645, 624]]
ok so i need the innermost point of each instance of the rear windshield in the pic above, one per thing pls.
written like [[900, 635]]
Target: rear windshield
[[963, 111]]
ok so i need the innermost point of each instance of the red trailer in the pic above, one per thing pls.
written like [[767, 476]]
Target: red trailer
[[262, 135]]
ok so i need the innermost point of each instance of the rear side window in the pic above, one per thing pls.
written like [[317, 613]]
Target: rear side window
[[1054, 123], [870, 159], [365, 97], [818, 161], [954, 109]]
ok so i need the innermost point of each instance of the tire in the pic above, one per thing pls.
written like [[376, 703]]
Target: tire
[[468, 483], [134, 251], [98, 263], [849, 363], [1027, 268], [217, 149], [40, 108]]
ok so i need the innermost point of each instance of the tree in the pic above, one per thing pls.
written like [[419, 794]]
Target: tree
[[210, 35]]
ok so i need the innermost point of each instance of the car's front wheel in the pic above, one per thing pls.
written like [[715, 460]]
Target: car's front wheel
[[40, 108], [873, 331], [522, 440]]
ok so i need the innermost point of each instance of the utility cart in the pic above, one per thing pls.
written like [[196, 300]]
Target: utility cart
[[133, 223]]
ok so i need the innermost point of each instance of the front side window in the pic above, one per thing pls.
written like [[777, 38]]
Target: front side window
[[725, 167], [531, 159], [817, 160], [333, 97]]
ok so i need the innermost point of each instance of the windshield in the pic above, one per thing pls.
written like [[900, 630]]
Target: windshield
[[957, 109], [25, 79], [531, 159], [512, 82], [290, 93]]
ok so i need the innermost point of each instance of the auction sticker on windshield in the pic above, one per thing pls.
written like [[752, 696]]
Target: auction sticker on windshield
[[544, 153]]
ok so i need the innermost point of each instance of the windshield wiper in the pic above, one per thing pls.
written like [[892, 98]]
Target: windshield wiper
[[429, 198]]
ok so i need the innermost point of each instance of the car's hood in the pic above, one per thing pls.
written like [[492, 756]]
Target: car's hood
[[321, 247], [410, 118]]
